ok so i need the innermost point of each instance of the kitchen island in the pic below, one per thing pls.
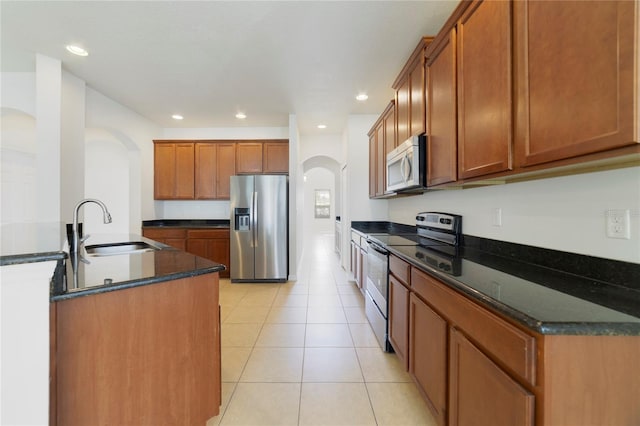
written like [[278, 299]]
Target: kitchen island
[[134, 338]]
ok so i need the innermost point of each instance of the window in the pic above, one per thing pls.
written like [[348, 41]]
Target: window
[[323, 204]]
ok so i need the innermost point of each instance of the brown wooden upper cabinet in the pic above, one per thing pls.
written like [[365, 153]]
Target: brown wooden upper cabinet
[[201, 170], [174, 170], [264, 157], [576, 76], [275, 157], [469, 94], [381, 137], [249, 158], [442, 143], [214, 165], [484, 89], [410, 95]]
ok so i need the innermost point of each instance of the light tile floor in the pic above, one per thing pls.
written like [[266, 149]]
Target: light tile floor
[[302, 353]]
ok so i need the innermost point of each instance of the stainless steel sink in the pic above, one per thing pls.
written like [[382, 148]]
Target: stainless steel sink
[[119, 248]]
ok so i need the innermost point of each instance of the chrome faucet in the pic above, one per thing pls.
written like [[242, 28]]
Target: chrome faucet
[[74, 230]]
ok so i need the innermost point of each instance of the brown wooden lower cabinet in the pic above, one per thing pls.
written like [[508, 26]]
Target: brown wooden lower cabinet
[[428, 355], [476, 367], [480, 392], [212, 244], [146, 355]]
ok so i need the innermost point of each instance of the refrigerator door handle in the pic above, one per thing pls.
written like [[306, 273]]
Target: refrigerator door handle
[[254, 219]]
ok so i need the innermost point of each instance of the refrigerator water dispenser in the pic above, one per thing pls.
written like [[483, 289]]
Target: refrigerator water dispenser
[[242, 219]]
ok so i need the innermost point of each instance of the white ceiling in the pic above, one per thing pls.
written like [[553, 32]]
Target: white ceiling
[[208, 60]]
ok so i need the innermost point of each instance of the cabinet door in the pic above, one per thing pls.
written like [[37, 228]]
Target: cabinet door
[[276, 157], [399, 319], [428, 355], [485, 89], [205, 170], [403, 99], [417, 100], [219, 249], [380, 161], [174, 237], [184, 171], [442, 150], [225, 168], [390, 139], [481, 393], [372, 164], [198, 247], [164, 171], [249, 158], [173, 171], [576, 78]]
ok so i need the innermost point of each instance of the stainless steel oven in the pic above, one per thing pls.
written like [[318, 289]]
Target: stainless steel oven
[[376, 292]]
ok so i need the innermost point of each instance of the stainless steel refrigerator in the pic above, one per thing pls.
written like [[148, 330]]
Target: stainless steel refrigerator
[[259, 228]]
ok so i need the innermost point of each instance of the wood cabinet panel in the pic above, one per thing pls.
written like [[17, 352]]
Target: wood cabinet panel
[[381, 163], [146, 355], [514, 349], [212, 244], [373, 164], [481, 393], [442, 157], [400, 269], [276, 157], [484, 89], [428, 355], [206, 164], [184, 171], [390, 138], [417, 109], [249, 158], [399, 320], [225, 168], [173, 171], [174, 237], [576, 70], [403, 113]]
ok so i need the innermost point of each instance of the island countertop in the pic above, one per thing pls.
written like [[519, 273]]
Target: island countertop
[[117, 272]]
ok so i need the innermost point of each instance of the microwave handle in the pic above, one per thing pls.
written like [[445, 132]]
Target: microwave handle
[[405, 168]]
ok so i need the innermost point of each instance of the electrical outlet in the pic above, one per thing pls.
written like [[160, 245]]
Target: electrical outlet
[[618, 224], [497, 216]]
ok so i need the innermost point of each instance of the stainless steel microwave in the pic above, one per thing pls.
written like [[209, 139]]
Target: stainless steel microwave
[[406, 165]]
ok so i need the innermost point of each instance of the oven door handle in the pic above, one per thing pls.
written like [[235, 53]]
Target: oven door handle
[[378, 248]]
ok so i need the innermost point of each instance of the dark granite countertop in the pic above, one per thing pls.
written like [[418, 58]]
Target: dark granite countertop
[[526, 285], [118, 272], [186, 223]]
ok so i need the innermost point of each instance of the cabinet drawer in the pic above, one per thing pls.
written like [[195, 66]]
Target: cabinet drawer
[[508, 345], [400, 269], [154, 233], [208, 233]]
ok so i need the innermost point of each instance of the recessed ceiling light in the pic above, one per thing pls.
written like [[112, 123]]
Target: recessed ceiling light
[[77, 50], [177, 117], [362, 97], [322, 126], [241, 115]]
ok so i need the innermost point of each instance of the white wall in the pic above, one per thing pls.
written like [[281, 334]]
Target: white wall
[[564, 213], [119, 124], [360, 206], [318, 178]]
